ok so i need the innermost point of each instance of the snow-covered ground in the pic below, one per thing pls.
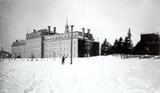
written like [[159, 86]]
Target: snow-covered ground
[[102, 74]]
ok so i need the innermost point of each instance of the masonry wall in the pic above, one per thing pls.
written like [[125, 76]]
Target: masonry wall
[[33, 47], [18, 51], [60, 45]]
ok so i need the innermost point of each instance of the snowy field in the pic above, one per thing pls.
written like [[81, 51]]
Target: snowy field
[[103, 74]]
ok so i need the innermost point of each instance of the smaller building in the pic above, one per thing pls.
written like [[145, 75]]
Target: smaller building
[[18, 48], [4, 54], [88, 48], [32, 46], [149, 44]]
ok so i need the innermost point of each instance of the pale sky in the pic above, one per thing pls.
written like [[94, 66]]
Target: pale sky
[[106, 18]]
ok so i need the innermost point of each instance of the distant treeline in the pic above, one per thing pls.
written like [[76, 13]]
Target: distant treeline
[[150, 46]]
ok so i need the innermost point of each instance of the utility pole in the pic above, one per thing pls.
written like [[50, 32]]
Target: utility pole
[[71, 41]]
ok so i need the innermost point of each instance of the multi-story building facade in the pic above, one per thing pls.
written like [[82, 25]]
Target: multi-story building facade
[[149, 44], [45, 43], [32, 46], [34, 43], [18, 48], [59, 45]]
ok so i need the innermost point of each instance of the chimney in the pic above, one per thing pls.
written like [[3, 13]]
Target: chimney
[[83, 32], [34, 30], [49, 29], [88, 31], [72, 26], [54, 30]]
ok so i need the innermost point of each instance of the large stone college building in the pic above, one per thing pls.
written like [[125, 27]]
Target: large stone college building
[[46, 43]]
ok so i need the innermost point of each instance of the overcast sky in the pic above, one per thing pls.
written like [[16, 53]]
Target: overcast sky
[[106, 18]]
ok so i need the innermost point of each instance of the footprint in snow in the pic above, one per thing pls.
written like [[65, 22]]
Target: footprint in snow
[[31, 88]]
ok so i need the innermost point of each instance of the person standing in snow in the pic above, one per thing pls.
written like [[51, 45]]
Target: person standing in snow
[[54, 55], [63, 60]]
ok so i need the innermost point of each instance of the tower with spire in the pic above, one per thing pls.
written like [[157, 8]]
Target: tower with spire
[[129, 41], [66, 27], [129, 33]]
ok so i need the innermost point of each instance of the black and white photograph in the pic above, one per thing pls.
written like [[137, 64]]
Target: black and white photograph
[[79, 46]]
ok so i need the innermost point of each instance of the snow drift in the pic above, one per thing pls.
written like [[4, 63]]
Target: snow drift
[[103, 74]]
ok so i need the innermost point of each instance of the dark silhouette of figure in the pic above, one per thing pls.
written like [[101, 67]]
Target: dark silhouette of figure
[[54, 55], [63, 60], [32, 56]]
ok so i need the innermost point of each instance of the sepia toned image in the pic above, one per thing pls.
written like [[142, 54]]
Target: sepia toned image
[[79, 46]]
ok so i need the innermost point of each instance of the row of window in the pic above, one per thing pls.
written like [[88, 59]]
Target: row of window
[[32, 35], [67, 49], [67, 36], [59, 44]]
